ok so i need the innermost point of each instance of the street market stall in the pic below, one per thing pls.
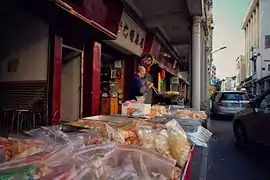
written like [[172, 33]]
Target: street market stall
[[157, 146]]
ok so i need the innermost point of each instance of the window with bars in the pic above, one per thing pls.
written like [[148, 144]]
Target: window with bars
[[267, 41]]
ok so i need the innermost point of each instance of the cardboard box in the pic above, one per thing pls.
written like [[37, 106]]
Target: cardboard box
[[136, 109]]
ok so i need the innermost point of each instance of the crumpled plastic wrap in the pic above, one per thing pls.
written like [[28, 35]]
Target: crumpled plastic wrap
[[200, 137], [133, 163], [178, 141]]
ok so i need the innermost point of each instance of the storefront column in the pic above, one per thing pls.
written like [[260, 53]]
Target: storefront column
[[55, 75], [207, 83], [91, 79], [202, 34], [196, 63]]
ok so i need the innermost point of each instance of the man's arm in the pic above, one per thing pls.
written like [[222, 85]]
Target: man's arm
[[146, 88]]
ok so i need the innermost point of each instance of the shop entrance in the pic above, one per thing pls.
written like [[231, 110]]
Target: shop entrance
[[23, 70], [71, 83]]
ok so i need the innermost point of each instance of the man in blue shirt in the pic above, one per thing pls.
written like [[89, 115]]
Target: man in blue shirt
[[138, 88]]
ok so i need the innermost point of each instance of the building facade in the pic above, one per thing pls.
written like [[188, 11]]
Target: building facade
[[240, 70], [228, 84], [257, 45]]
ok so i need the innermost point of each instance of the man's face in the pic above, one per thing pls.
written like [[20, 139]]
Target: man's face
[[143, 72]]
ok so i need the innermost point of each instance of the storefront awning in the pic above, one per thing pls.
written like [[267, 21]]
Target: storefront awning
[[65, 19], [165, 68]]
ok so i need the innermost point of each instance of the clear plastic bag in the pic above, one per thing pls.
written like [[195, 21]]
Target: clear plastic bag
[[19, 147], [134, 163], [115, 135], [61, 172], [49, 134], [200, 137], [147, 137], [22, 171], [189, 124], [161, 143], [178, 141], [90, 154]]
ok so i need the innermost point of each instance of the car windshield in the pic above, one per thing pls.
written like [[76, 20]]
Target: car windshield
[[234, 96]]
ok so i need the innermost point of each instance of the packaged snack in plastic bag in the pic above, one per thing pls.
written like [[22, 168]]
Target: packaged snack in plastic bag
[[147, 137], [60, 155], [89, 154], [19, 148], [114, 135], [22, 172], [179, 144], [162, 143], [134, 163], [49, 133], [61, 172], [200, 137]]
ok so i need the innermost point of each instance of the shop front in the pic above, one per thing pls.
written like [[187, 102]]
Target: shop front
[[118, 64], [161, 63], [50, 61], [24, 63]]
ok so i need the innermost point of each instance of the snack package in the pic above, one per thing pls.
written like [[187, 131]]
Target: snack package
[[178, 141], [147, 137], [114, 135], [61, 172], [49, 134], [22, 172], [134, 163], [162, 143], [90, 154], [19, 148], [61, 155], [200, 137]]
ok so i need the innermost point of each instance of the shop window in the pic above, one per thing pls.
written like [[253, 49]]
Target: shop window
[[268, 67], [267, 41]]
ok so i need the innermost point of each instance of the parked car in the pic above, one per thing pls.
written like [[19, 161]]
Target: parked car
[[227, 103], [253, 124]]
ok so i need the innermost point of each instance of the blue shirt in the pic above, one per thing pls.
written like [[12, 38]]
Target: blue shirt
[[136, 86]]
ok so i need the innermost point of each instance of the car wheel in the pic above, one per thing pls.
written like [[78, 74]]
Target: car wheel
[[240, 135]]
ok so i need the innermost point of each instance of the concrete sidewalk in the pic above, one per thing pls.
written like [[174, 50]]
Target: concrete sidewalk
[[199, 164]]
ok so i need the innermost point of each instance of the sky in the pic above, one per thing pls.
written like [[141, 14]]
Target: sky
[[228, 16]]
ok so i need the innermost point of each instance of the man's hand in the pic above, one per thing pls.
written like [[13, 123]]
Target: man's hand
[[150, 85]]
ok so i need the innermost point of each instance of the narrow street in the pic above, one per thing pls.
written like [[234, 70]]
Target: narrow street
[[226, 162]]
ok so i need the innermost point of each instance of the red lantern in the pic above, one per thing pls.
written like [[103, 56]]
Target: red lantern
[[162, 74]]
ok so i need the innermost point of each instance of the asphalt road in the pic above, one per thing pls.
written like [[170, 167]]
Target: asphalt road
[[226, 162]]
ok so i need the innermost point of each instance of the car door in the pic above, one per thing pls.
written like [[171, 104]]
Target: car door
[[262, 120]]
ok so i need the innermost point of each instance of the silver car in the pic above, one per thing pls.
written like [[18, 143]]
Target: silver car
[[229, 103]]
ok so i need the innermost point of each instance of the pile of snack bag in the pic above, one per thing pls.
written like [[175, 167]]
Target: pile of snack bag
[[135, 150]]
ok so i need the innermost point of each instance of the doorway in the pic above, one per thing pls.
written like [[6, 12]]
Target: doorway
[[71, 84]]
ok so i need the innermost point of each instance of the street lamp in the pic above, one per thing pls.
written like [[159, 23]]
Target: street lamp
[[211, 60], [223, 47], [211, 53]]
